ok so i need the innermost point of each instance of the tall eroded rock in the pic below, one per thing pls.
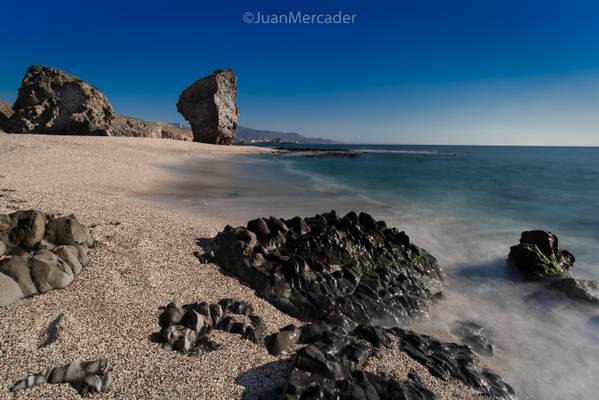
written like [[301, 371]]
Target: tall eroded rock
[[210, 106], [55, 102]]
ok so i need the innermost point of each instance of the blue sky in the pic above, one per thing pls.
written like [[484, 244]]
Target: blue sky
[[446, 72]]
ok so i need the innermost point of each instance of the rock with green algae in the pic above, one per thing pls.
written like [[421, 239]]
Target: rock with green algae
[[538, 257]]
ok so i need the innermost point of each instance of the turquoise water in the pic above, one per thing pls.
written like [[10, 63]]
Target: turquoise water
[[549, 188], [467, 206]]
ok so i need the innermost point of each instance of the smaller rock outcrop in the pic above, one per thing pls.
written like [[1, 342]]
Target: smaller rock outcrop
[[331, 366], [186, 328], [85, 376], [345, 270], [134, 127], [39, 253], [5, 113], [52, 101], [537, 256], [210, 106]]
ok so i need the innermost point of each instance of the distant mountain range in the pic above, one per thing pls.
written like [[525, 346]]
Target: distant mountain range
[[249, 135]]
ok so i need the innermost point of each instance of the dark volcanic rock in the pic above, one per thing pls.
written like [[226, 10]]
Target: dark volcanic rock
[[85, 376], [538, 256], [331, 366], [578, 289], [349, 270], [186, 328], [55, 102], [210, 106], [473, 335], [39, 253]]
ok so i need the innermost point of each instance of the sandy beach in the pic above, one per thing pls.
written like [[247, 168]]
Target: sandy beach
[[142, 259]]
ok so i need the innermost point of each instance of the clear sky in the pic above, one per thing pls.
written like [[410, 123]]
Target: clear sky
[[445, 72]]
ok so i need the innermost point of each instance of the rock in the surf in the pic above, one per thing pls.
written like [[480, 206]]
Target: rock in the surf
[[39, 253], [210, 106], [345, 270], [54, 102], [537, 256]]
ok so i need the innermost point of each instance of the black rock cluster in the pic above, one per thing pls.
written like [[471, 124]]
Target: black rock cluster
[[331, 366], [345, 270], [186, 328]]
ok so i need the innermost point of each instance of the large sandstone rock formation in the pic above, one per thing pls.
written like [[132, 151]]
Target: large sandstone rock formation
[[54, 102], [209, 105], [39, 253], [129, 126]]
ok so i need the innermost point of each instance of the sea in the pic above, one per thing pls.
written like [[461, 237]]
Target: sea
[[466, 205]]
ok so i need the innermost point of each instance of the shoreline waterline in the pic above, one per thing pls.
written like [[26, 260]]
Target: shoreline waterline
[[530, 326]]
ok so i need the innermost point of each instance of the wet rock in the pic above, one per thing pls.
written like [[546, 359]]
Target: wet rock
[[578, 289], [283, 341], [186, 328], [210, 106], [350, 270], [54, 102], [332, 368], [474, 336], [538, 256], [86, 376]]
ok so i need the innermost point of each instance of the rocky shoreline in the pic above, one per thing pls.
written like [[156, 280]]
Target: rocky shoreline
[[278, 308]]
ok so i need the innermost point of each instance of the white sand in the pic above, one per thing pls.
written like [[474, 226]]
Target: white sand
[[142, 260]]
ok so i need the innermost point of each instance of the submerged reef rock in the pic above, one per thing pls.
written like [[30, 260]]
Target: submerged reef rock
[[347, 271], [54, 102], [186, 328], [39, 253], [134, 127], [538, 257], [474, 336], [85, 376], [210, 106]]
